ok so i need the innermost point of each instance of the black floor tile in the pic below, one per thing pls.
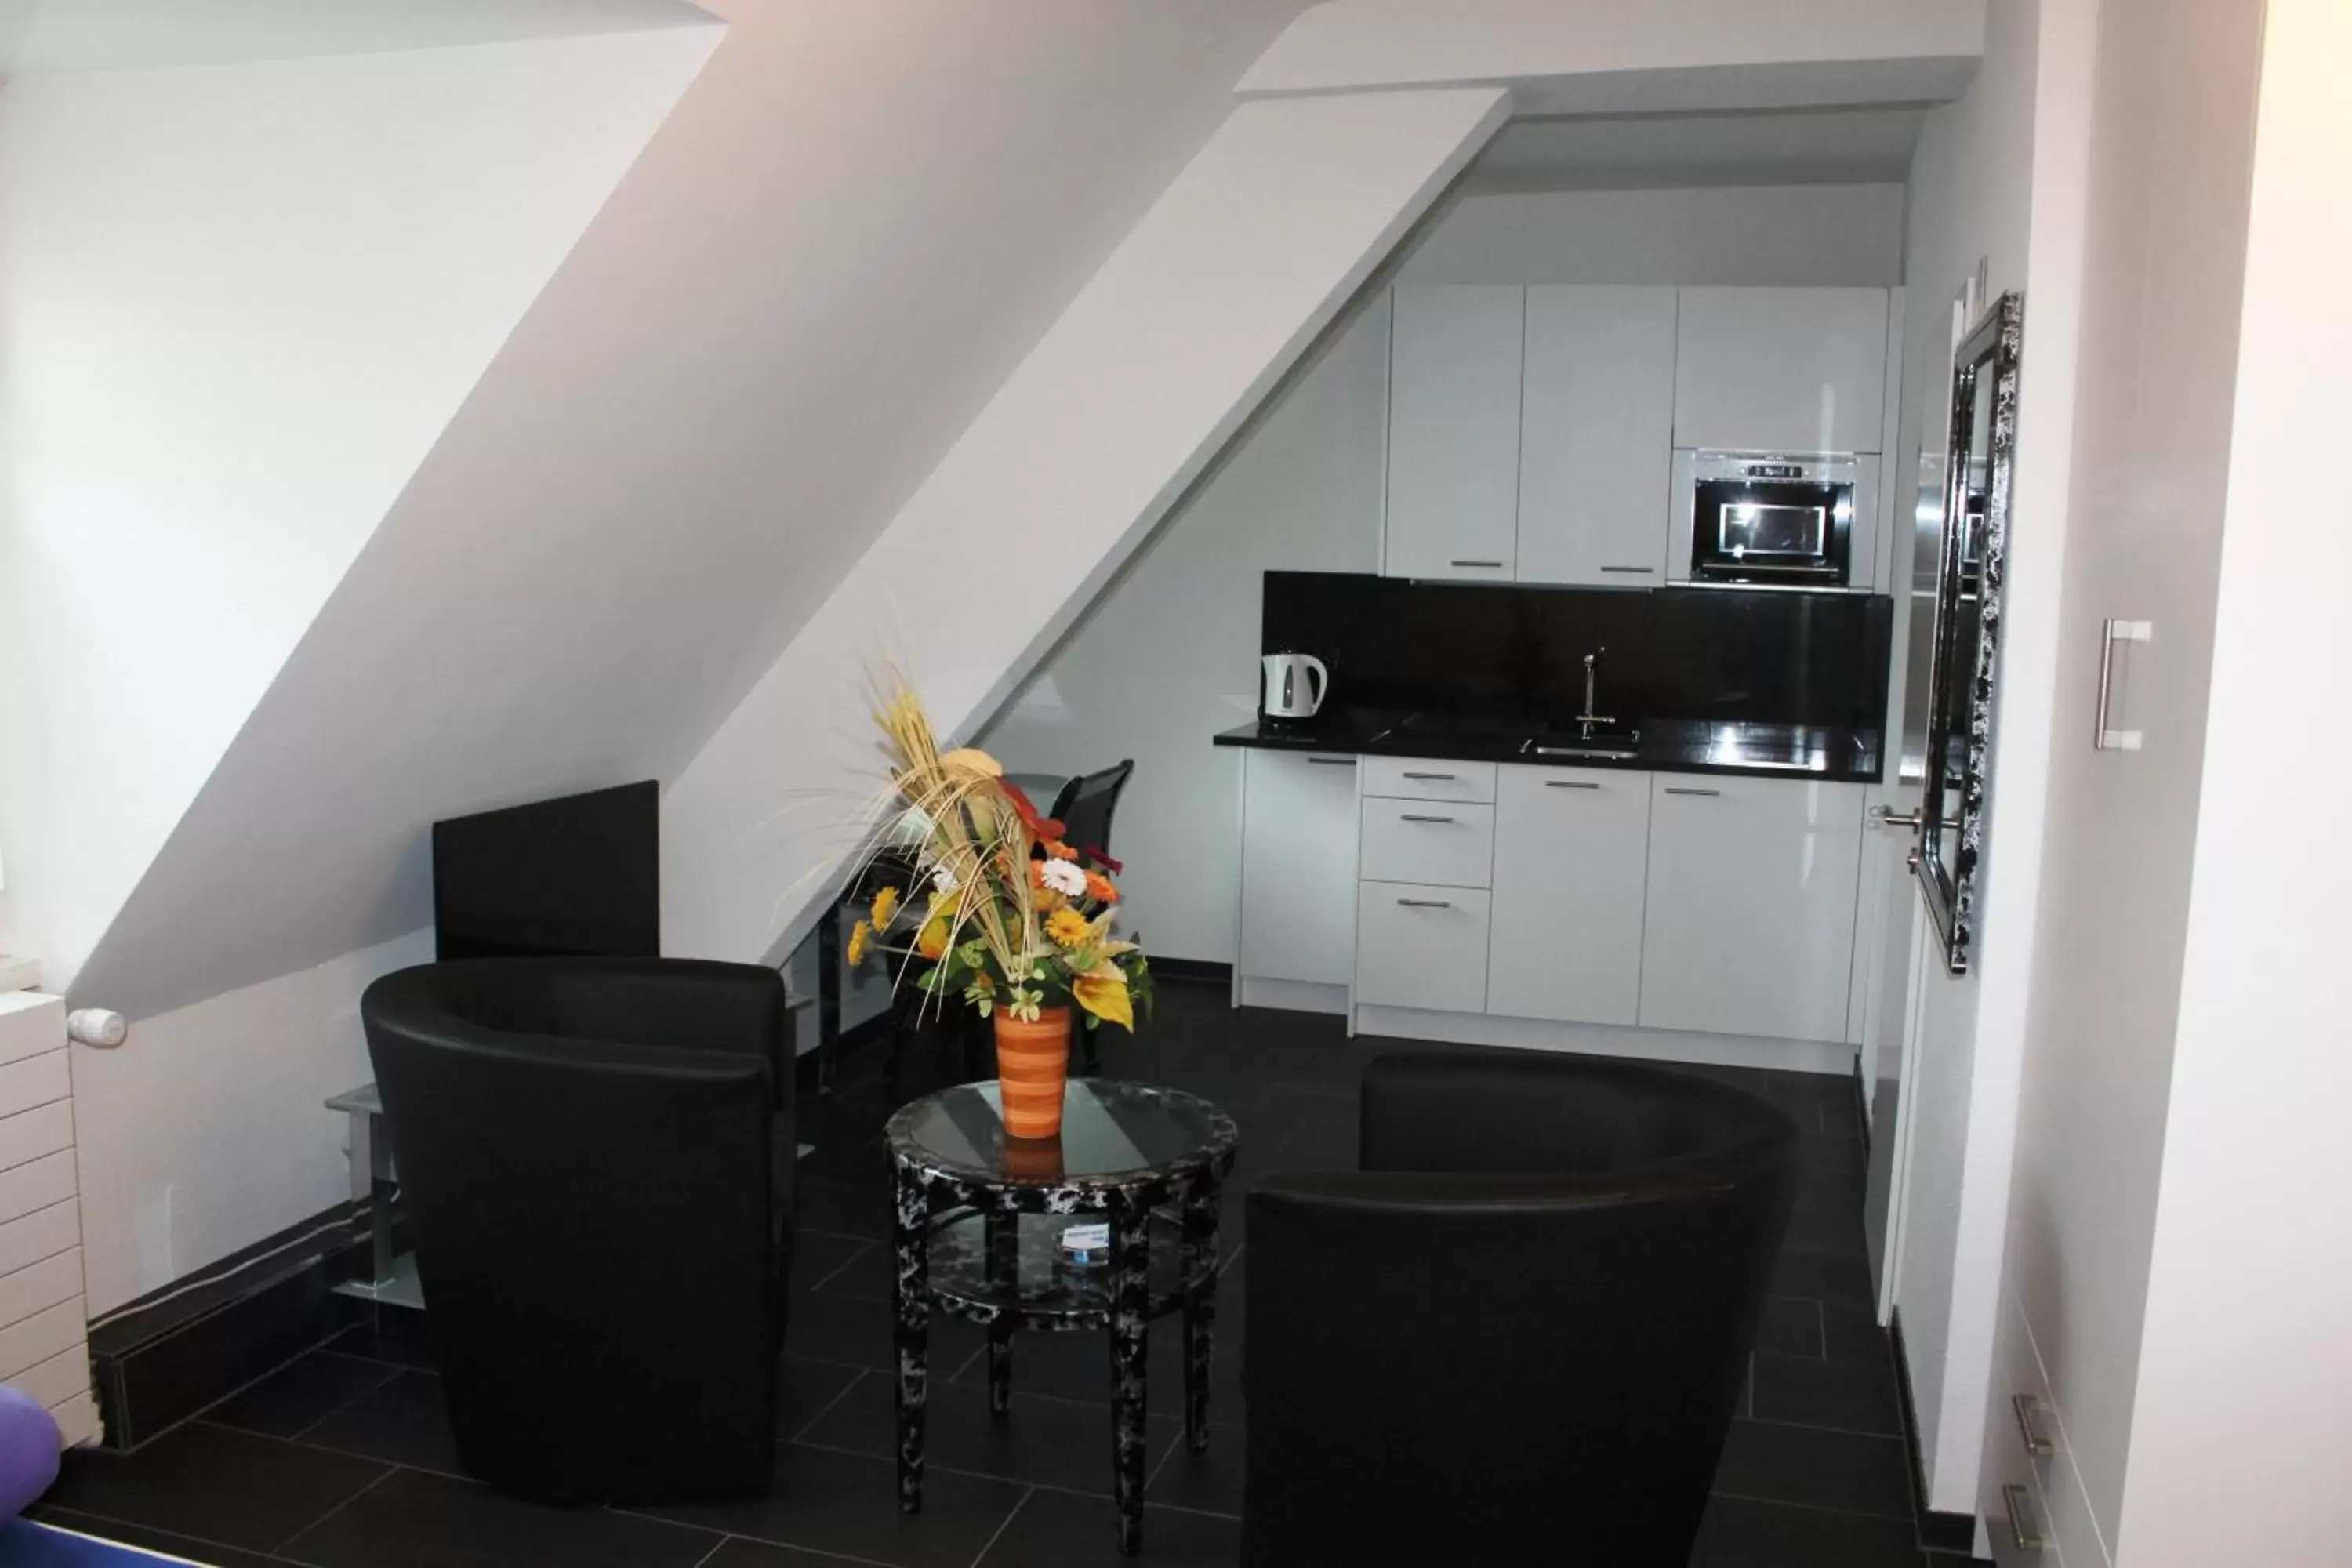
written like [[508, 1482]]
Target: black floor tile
[[1825, 1223], [1739, 1533], [405, 1422], [1851, 1396], [1077, 1366], [210, 1552], [1791, 1325], [1853, 1334], [1046, 1442], [1841, 1278], [410, 1519], [844, 1209], [806, 1389], [1771, 1463], [1057, 1530], [396, 1335], [847, 1504], [827, 1325], [212, 1483], [741, 1554], [818, 1255], [301, 1394], [1210, 1480]]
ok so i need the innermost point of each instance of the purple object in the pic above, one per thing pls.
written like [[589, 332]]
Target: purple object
[[28, 1451]]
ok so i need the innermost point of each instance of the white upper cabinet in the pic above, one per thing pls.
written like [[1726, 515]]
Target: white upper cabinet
[[1781, 370], [1749, 924], [1570, 845], [1596, 434], [1298, 867], [1454, 433]]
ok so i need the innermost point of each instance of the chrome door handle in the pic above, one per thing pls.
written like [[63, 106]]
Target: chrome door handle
[[2025, 1406], [1444, 777], [1570, 783], [1425, 903], [2111, 632], [1645, 571], [1409, 816], [1490, 566], [1672, 790], [1333, 762], [1887, 816], [2012, 1498]]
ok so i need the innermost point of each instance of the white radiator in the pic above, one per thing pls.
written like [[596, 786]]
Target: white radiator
[[43, 1321]]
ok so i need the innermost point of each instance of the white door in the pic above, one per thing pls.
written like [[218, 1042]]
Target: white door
[[1299, 868], [1597, 435], [1781, 370], [1454, 433], [1748, 927], [1571, 852]]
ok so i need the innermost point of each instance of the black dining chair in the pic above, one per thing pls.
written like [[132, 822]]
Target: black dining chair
[[1083, 807], [1519, 1331]]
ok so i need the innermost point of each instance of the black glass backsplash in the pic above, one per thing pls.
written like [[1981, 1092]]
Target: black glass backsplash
[[1672, 653]]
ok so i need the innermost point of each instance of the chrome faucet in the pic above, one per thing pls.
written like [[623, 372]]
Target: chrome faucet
[[1589, 717]]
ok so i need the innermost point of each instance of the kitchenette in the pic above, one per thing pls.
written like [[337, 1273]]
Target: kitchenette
[[1587, 764]]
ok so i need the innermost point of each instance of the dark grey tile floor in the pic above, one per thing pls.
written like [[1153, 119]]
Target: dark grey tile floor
[[343, 1459]]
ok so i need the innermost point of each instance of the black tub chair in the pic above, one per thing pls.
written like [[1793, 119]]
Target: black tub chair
[[595, 1157], [1518, 1333]]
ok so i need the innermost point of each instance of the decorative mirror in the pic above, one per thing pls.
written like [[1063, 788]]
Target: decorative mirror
[[1978, 467]]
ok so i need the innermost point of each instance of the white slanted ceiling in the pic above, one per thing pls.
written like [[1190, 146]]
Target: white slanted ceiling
[[1216, 294]]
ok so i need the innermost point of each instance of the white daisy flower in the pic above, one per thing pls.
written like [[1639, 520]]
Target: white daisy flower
[[1064, 878]]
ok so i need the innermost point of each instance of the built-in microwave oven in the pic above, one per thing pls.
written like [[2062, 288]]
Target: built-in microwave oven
[[1807, 522]]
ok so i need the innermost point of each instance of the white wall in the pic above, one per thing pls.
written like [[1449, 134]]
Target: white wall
[[240, 302], [2171, 154], [1999, 175], [1167, 655], [847, 235], [1225, 285], [2241, 1428], [205, 1132]]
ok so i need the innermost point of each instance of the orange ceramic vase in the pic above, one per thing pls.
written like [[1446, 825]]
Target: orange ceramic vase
[[1033, 1062]]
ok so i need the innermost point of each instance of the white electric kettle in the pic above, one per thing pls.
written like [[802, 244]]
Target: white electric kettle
[[1295, 684]]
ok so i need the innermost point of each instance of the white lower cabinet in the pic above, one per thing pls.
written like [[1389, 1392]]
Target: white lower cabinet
[[1748, 923], [1298, 867], [1571, 861], [1422, 946]]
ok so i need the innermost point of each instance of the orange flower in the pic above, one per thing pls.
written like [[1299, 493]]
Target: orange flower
[[1101, 889], [1040, 827], [1058, 851]]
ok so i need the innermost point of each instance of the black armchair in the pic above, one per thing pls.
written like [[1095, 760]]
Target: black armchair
[[596, 1156], [1519, 1332]]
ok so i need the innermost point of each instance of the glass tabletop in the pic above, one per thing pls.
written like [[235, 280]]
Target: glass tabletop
[[1111, 1130]]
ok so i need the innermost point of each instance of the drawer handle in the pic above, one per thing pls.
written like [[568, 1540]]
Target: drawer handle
[[1446, 778], [1425, 903], [1489, 565], [1333, 762], [1409, 816], [1570, 783], [2029, 1426], [1645, 571], [1671, 790], [2012, 1498]]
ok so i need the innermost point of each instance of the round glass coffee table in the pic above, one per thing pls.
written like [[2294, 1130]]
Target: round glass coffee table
[[979, 1223]]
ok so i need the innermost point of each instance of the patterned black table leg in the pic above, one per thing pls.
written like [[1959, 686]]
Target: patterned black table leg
[[911, 1297], [1003, 1232], [1200, 1278], [1131, 1270]]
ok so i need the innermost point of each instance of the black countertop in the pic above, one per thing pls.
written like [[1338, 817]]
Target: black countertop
[[1668, 746]]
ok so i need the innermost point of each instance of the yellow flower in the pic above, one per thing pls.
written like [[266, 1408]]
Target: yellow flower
[[859, 935], [886, 904], [931, 942], [1069, 927], [1102, 991]]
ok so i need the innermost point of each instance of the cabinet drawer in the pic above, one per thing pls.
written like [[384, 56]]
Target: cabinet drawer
[[1419, 946], [1423, 778], [1437, 842]]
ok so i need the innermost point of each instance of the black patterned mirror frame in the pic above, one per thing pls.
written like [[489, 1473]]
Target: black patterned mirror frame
[[1985, 364]]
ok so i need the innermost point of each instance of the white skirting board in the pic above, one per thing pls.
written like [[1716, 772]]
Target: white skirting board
[[1607, 1040], [1291, 995]]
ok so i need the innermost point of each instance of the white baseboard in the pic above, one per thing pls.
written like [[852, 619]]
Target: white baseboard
[[1292, 995], [1609, 1040]]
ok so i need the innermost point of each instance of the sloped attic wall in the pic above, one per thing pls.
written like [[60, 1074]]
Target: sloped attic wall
[[838, 246], [239, 303]]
